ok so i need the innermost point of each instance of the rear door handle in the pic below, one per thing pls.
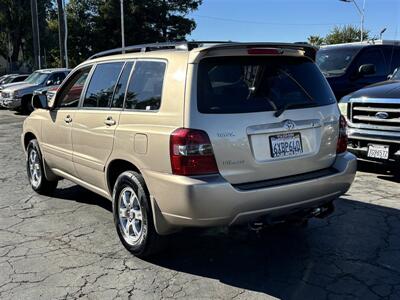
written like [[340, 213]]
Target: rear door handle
[[68, 119], [110, 121]]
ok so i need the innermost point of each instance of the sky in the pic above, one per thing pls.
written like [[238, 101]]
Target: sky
[[290, 20]]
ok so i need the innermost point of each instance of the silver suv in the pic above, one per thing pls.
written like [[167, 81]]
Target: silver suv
[[19, 96], [194, 134]]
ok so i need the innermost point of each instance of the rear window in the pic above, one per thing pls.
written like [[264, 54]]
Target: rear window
[[254, 84]]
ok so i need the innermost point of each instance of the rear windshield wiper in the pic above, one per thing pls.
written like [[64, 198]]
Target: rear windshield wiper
[[286, 106], [289, 104]]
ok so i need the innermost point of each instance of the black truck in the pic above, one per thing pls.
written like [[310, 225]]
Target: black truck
[[350, 67], [373, 116]]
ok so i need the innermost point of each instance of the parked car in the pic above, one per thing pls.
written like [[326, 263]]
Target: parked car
[[4, 77], [48, 91], [373, 115], [13, 79], [194, 134], [350, 67], [18, 96]]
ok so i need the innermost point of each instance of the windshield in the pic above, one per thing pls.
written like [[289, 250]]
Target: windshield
[[254, 84], [37, 78], [8, 79], [334, 61]]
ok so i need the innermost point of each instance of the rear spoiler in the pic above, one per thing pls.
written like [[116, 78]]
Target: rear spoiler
[[309, 50]]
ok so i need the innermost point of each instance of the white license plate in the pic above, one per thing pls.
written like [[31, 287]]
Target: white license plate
[[286, 145], [378, 151]]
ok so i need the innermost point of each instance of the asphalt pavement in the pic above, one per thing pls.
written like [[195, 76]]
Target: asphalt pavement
[[66, 247]]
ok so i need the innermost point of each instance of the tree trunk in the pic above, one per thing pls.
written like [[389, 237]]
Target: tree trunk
[[61, 32]]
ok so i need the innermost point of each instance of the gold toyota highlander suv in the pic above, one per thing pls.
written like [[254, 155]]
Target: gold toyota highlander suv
[[194, 134]]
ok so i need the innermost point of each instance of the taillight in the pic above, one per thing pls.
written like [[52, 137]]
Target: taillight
[[191, 153], [342, 140]]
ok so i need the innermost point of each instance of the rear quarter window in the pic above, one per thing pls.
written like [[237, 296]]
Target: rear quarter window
[[145, 86], [255, 84]]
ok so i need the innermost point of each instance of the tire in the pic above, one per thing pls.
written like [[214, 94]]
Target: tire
[[133, 217], [35, 170]]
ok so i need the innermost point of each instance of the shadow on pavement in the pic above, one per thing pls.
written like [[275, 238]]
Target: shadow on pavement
[[345, 255], [389, 172], [82, 195], [352, 254]]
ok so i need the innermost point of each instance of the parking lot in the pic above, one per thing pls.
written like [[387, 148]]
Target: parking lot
[[66, 246]]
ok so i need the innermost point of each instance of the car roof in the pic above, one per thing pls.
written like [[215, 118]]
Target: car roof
[[18, 75], [176, 48], [53, 70], [359, 45], [8, 75]]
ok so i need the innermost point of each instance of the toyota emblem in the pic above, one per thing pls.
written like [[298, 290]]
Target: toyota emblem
[[289, 125]]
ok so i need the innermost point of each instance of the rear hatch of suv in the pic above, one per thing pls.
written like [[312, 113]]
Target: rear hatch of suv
[[269, 113]]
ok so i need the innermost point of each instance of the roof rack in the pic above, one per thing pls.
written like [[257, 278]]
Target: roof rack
[[180, 45]]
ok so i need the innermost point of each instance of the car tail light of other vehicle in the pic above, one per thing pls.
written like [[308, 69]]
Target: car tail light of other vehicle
[[342, 140], [191, 153]]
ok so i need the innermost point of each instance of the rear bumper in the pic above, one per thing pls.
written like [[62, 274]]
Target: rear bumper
[[360, 138], [212, 201]]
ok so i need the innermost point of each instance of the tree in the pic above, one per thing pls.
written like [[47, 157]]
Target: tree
[[315, 40], [15, 20], [345, 34], [61, 31], [16, 28], [81, 21], [339, 35], [95, 25], [167, 17]]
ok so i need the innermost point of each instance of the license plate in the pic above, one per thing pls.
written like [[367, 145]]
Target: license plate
[[286, 145], [378, 151]]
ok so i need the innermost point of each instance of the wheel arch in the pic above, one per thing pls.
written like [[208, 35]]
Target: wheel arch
[[28, 136], [117, 167]]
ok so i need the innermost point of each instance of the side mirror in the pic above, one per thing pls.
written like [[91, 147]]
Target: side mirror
[[40, 101], [367, 69], [49, 82]]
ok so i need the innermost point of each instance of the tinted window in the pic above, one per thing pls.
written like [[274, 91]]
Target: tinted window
[[253, 84], [334, 61], [71, 94], [373, 56], [9, 79], [394, 58], [118, 98], [145, 86], [37, 78], [102, 84], [57, 78], [20, 78]]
